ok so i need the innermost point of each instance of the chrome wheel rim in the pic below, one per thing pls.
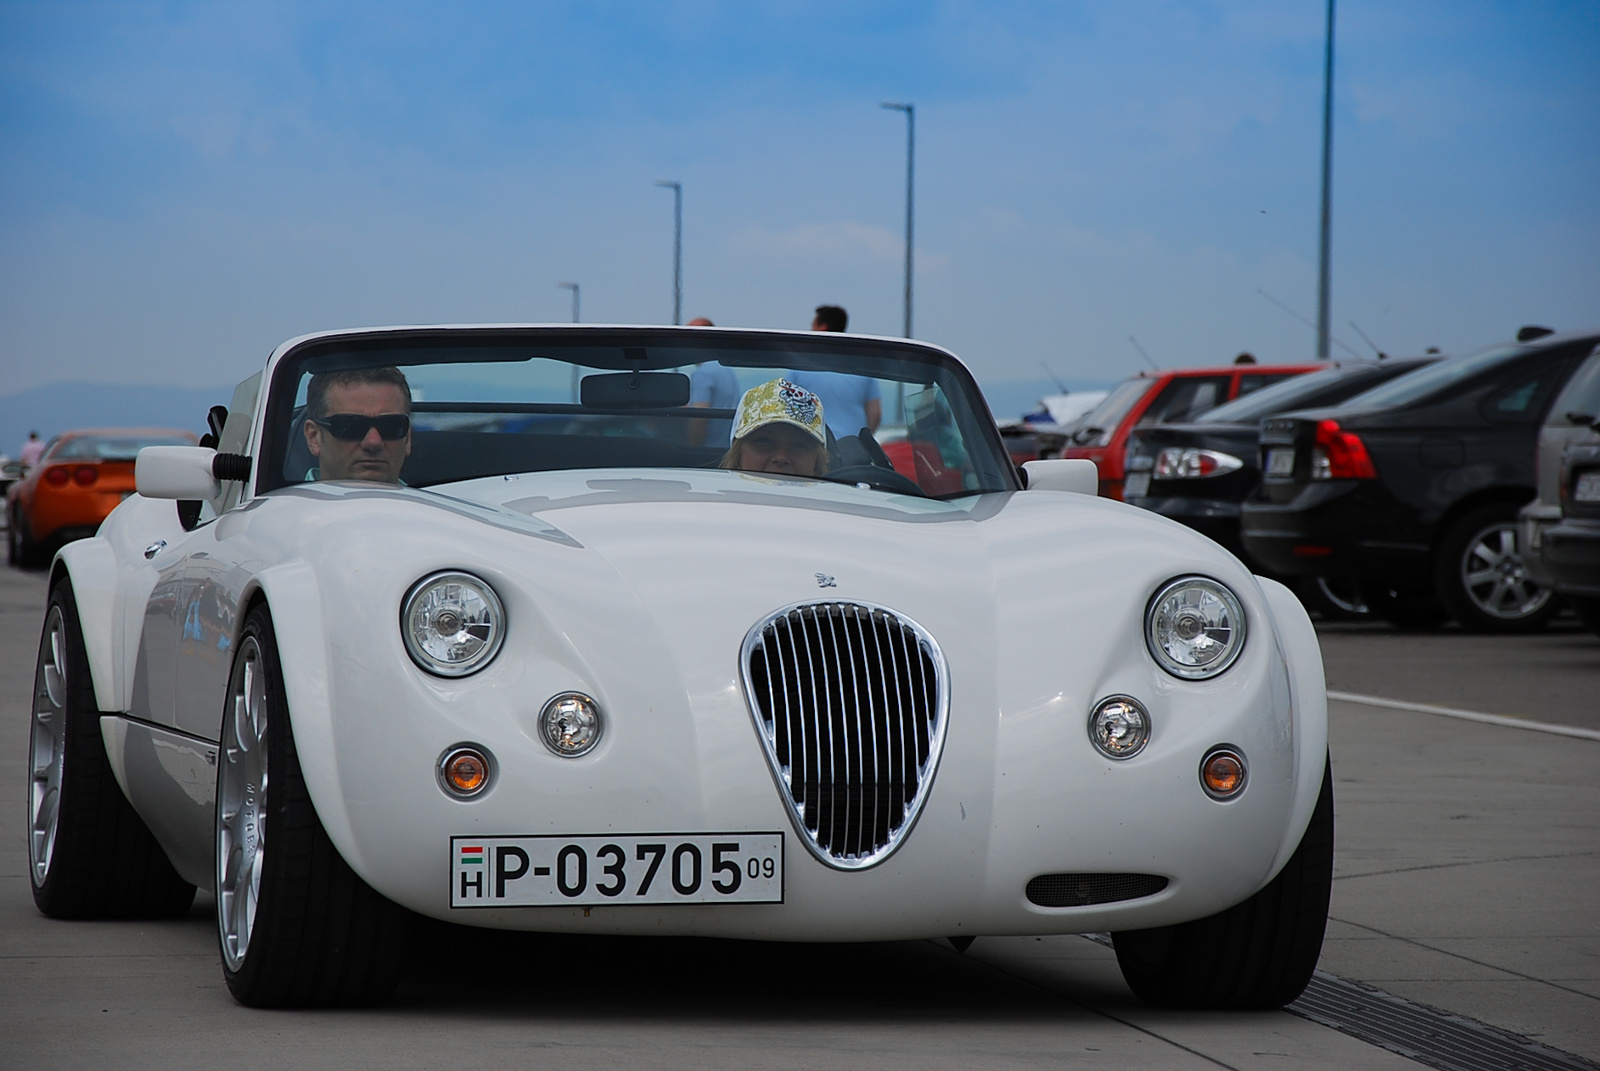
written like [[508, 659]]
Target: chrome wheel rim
[[241, 796], [1495, 577], [47, 744]]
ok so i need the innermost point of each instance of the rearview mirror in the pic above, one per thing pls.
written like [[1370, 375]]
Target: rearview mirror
[[636, 390]]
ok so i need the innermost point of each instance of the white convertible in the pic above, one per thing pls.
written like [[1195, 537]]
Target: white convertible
[[536, 628]]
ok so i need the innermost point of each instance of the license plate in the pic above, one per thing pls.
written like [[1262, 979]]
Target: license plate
[[1280, 463], [1587, 489], [657, 868], [1136, 485]]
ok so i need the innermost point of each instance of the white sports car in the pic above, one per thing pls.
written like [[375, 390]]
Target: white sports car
[[540, 628]]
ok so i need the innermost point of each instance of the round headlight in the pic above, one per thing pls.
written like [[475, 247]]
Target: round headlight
[[1194, 627], [1119, 727], [569, 724], [453, 624]]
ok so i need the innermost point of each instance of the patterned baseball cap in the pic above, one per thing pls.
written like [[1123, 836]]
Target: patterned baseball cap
[[777, 401]]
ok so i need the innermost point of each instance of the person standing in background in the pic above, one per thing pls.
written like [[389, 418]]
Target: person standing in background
[[851, 403], [31, 451], [711, 386]]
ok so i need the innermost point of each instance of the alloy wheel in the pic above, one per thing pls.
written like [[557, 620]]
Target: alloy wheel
[[47, 744], [1495, 577], [241, 803]]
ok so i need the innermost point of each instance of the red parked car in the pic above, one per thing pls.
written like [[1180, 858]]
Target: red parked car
[[1172, 397], [80, 479]]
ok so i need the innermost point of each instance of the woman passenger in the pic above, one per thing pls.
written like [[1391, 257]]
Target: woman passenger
[[779, 429]]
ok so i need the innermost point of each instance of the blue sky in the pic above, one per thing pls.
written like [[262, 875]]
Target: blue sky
[[186, 185]]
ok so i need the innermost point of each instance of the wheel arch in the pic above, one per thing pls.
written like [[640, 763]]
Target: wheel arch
[[290, 592], [1308, 690], [1513, 495], [90, 566]]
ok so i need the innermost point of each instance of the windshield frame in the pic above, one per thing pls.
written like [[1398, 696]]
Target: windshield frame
[[795, 349]]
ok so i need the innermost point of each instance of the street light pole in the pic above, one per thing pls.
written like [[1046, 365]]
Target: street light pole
[[677, 248], [574, 288], [911, 172], [1324, 255]]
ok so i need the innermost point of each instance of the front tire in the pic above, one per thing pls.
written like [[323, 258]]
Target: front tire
[[1482, 578], [296, 926], [1258, 954], [90, 855]]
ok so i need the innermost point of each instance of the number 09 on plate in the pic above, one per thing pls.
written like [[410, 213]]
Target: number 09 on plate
[[657, 868]]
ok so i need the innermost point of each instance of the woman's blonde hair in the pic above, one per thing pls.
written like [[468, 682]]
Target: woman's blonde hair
[[732, 459]]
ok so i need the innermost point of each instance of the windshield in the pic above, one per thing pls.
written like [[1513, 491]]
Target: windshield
[[1432, 379], [116, 447], [1097, 428], [495, 402], [1274, 399]]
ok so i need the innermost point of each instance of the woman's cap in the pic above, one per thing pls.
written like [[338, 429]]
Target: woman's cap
[[778, 401]]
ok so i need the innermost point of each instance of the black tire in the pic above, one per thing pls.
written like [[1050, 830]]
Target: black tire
[[1482, 579], [90, 855], [312, 933], [1258, 954], [21, 550], [1412, 609]]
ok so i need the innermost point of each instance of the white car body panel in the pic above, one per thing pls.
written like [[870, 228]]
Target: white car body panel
[[638, 587]]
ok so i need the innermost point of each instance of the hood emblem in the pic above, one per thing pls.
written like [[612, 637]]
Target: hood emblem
[[825, 581]]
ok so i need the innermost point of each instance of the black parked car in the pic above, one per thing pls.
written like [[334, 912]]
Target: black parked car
[[1413, 488], [1200, 473]]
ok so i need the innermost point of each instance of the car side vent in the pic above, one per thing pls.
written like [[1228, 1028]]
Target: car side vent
[[1081, 890], [850, 702]]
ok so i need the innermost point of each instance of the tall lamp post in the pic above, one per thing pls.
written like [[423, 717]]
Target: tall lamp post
[[1324, 256], [574, 288], [677, 248], [911, 171]]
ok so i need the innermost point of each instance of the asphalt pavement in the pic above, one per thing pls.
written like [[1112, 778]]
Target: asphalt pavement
[[1468, 855]]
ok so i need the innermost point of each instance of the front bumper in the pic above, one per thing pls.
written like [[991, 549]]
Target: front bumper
[[1571, 556]]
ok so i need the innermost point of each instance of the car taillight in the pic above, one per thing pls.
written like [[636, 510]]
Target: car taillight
[[1176, 463], [57, 477], [1340, 455], [84, 475]]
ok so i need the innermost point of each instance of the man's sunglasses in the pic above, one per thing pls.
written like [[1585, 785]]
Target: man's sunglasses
[[353, 427]]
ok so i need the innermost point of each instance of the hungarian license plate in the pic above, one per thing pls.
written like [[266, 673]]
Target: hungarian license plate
[[1587, 487], [1136, 485], [1280, 463], [657, 868]]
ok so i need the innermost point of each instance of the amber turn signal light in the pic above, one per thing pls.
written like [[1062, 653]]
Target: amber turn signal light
[[464, 771], [1222, 773]]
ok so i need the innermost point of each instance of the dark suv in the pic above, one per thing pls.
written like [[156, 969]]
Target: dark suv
[[1412, 488]]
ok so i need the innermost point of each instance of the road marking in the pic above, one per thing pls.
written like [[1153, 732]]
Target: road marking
[[1467, 715]]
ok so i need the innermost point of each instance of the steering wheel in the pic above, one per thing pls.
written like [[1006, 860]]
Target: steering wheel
[[880, 479]]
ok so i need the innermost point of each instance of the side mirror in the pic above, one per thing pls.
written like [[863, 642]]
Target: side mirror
[[176, 472], [1062, 474]]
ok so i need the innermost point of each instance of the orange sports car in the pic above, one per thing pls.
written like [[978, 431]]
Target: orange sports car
[[81, 477]]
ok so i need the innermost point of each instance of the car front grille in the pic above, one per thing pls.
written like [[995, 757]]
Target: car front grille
[[850, 702], [1081, 890]]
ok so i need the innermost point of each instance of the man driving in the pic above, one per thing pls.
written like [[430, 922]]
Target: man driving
[[358, 424]]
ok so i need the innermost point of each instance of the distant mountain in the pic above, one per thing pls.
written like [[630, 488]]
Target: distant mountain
[[64, 406]]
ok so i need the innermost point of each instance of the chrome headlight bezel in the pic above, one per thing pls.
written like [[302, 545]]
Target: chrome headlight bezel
[[492, 613], [1161, 637]]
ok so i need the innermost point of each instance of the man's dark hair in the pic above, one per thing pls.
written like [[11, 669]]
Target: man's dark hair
[[317, 389], [1245, 358], [832, 317]]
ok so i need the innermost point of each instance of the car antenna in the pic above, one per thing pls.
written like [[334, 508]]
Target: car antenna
[[1308, 323], [1368, 341], [1060, 384], [1142, 353]]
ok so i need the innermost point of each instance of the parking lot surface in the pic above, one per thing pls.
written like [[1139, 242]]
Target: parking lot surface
[[1467, 858]]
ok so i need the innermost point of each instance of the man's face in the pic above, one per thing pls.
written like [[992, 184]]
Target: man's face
[[371, 456], [780, 448]]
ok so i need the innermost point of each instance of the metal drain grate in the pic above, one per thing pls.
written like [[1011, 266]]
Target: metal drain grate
[[1427, 1035]]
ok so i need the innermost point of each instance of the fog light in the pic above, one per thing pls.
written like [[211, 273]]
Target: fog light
[[1222, 773], [569, 725], [1119, 727], [465, 771]]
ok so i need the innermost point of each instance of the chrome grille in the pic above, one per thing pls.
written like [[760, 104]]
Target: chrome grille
[[850, 702]]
